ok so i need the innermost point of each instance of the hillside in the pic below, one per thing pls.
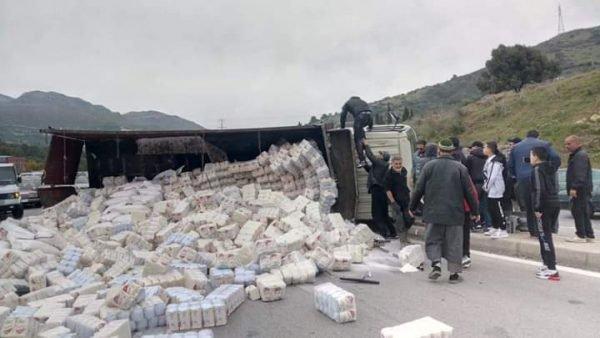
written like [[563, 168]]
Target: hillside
[[21, 118], [557, 109], [576, 51]]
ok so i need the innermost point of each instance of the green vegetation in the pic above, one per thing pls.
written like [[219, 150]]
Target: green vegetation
[[514, 67], [35, 155], [576, 51], [556, 108]]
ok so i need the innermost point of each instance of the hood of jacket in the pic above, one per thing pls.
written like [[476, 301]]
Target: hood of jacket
[[546, 168]]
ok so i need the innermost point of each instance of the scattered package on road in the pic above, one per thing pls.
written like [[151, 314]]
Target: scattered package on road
[[180, 252], [420, 328]]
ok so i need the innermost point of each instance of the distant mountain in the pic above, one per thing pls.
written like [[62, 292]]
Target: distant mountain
[[21, 118], [576, 51]]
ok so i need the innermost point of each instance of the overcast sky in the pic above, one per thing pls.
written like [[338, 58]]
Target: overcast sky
[[259, 63]]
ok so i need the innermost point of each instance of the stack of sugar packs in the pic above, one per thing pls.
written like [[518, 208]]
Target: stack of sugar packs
[[183, 249], [335, 302]]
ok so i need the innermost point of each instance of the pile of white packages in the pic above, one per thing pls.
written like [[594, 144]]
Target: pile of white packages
[[177, 254]]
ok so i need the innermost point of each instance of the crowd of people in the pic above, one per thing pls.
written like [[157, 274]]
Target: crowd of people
[[459, 190]]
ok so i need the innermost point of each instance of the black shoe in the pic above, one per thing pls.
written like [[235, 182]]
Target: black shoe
[[455, 278], [435, 273]]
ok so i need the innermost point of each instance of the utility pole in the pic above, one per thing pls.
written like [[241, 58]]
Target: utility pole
[[561, 24], [221, 123]]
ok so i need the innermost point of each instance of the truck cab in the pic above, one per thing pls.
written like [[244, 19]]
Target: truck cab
[[10, 195]]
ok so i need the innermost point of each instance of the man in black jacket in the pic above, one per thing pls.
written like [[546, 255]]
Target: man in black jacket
[[445, 185], [475, 163], [361, 112], [579, 187], [398, 195], [379, 206], [546, 206]]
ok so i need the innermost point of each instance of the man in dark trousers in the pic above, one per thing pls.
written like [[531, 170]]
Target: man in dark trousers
[[579, 187], [379, 205], [361, 113], [445, 184], [398, 195], [519, 166], [475, 163]]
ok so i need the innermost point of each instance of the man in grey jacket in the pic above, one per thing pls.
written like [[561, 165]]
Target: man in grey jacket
[[579, 187], [445, 185]]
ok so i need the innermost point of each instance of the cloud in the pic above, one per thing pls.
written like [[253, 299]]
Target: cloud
[[258, 63]]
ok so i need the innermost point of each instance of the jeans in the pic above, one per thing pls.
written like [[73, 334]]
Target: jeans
[[524, 197]]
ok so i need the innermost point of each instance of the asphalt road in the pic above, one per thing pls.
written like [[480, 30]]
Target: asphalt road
[[498, 298]]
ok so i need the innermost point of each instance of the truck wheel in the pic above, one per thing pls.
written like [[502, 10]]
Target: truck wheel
[[17, 212]]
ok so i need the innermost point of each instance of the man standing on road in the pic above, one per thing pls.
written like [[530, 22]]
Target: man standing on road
[[579, 187], [361, 112], [419, 158], [398, 194], [520, 167], [445, 183]]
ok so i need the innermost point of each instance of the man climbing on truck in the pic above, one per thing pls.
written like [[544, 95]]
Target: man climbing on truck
[[361, 112]]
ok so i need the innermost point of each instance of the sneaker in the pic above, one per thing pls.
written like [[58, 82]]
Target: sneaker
[[549, 275], [361, 164], [466, 262], [455, 278], [576, 239], [491, 231], [500, 234], [591, 240], [435, 273], [541, 269]]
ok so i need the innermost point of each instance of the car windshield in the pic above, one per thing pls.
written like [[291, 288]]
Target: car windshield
[[7, 176], [31, 181]]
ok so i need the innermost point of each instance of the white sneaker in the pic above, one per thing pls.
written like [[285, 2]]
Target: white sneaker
[[576, 240], [500, 234], [541, 269], [466, 262], [491, 231]]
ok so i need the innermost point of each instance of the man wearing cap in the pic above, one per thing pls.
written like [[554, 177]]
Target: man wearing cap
[[361, 112], [444, 184]]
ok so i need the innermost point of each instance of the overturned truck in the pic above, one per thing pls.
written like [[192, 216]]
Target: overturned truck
[[146, 153]]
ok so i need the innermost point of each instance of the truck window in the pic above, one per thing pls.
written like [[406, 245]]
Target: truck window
[[7, 176]]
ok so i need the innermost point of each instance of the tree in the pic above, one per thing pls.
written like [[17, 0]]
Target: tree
[[514, 67], [406, 114], [313, 120]]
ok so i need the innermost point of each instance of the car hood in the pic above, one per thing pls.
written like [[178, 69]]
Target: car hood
[[7, 189]]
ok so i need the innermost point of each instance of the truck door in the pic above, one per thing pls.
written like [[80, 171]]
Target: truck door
[[344, 168]]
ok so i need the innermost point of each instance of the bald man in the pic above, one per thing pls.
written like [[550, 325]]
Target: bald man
[[579, 186]]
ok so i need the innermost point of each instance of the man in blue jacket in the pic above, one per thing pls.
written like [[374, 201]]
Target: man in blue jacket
[[520, 169]]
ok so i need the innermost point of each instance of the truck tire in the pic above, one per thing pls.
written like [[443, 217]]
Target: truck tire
[[17, 212]]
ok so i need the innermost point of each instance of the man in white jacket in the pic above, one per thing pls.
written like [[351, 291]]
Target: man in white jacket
[[494, 172]]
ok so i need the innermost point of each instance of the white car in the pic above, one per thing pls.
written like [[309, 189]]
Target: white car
[[10, 194]]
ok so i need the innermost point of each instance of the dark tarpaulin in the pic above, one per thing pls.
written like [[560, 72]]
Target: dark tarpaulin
[[62, 161]]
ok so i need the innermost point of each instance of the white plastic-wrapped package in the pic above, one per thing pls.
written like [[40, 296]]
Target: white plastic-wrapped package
[[19, 327], [219, 277], [115, 329], [232, 295], [123, 297], [292, 240], [84, 326], [270, 261], [412, 254], [195, 280], [236, 257], [270, 287], [322, 258], [299, 273], [362, 234], [335, 302], [252, 292], [244, 276], [179, 295], [249, 233], [342, 260], [57, 332], [420, 328]]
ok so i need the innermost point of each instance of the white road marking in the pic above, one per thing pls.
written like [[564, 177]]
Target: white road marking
[[576, 271]]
